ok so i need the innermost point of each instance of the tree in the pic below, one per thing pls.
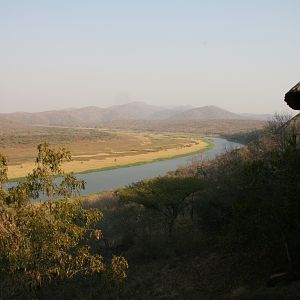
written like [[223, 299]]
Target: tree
[[47, 178], [169, 196], [3, 177], [281, 131], [51, 240]]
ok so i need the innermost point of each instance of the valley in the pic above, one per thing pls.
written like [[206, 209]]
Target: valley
[[149, 150], [118, 136]]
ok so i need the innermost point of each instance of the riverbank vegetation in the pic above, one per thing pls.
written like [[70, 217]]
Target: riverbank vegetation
[[211, 230]]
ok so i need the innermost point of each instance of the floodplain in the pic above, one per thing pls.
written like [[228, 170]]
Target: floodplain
[[96, 149]]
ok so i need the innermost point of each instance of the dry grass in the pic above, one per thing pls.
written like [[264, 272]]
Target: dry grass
[[104, 200], [94, 148], [76, 166]]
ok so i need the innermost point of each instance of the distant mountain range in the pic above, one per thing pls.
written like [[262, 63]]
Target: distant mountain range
[[95, 116], [207, 113]]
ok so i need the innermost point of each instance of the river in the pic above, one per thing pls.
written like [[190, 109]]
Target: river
[[112, 179], [107, 180]]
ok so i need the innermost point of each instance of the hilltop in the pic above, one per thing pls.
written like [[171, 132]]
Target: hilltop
[[207, 113], [135, 111]]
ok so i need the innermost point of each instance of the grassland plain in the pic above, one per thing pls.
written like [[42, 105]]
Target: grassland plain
[[98, 149]]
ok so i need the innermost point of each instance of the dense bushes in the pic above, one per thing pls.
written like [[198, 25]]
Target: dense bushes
[[244, 199], [259, 199], [252, 196]]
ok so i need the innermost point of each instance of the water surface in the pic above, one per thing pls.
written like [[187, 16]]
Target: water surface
[[112, 179], [107, 180]]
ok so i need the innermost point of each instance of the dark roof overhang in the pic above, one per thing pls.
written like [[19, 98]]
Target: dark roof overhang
[[292, 97]]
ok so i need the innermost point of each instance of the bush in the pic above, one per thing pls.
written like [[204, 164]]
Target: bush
[[251, 197]]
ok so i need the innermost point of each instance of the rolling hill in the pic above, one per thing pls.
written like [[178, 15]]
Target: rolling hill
[[95, 116], [207, 113]]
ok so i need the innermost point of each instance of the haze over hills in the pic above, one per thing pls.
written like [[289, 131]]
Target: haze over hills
[[262, 117], [94, 116], [207, 113], [131, 111]]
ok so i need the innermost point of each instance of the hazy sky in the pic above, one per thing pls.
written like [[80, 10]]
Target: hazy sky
[[239, 55]]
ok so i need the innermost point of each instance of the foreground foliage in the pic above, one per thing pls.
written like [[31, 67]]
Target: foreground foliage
[[48, 241]]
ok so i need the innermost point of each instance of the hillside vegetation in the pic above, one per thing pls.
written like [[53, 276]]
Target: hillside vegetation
[[211, 230], [214, 230]]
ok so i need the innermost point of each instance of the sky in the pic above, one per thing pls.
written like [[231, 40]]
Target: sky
[[240, 55]]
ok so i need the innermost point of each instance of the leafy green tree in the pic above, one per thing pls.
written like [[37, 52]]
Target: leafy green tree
[[51, 240], [47, 178]]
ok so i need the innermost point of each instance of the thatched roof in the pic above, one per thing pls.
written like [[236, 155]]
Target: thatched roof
[[292, 97]]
